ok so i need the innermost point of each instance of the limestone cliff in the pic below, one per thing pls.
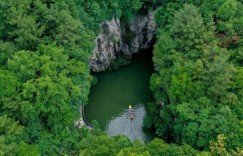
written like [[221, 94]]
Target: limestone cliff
[[118, 40]]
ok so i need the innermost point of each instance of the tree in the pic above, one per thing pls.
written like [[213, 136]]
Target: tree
[[218, 148], [158, 147], [103, 145], [193, 79], [10, 131], [39, 76], [25, 30], [227, 10], [138, 149], [25, 149], [197, 122], [6, 51], [50, 90], [188, 29]]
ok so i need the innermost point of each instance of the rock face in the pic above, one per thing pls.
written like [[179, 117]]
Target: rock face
[[118, 40]]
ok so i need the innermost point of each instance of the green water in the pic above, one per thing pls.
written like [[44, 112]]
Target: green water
[[116, 90]]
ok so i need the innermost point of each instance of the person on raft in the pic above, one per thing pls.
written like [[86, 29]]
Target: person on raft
[[131, 112]]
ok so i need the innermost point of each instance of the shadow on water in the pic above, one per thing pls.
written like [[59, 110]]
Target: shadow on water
[[115, 91]]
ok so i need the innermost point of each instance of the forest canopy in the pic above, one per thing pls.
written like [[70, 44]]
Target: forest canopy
[[196, 85], [45, 47]]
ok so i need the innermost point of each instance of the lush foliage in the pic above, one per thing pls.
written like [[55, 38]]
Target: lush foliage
[[44, 76], [120, 62], [100, 145], [45, 46], [197, 84]]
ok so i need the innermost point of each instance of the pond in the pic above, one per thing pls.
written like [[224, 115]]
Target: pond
[[115, 91]]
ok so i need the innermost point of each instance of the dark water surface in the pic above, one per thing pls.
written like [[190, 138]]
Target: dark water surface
[[115, 91]]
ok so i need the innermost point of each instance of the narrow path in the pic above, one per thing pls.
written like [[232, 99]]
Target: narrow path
[[82, 122]]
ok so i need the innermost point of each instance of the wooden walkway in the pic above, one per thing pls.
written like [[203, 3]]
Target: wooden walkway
[[82, 122]]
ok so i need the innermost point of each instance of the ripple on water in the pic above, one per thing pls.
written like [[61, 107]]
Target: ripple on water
[[123, 125]]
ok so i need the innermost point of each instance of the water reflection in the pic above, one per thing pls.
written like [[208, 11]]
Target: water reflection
[[123, 125]]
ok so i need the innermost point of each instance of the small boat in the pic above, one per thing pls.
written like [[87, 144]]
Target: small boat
[[131, 112]]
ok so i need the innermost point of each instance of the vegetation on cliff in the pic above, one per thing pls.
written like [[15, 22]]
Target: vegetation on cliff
[[45, 46]]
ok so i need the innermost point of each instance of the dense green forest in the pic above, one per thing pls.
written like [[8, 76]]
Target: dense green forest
[[198, 81], [45, 46]]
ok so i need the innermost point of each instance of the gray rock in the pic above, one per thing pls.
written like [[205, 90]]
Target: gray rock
[[117, 40]]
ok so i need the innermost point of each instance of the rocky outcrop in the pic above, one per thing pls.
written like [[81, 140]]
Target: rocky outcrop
[[119, 40]]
